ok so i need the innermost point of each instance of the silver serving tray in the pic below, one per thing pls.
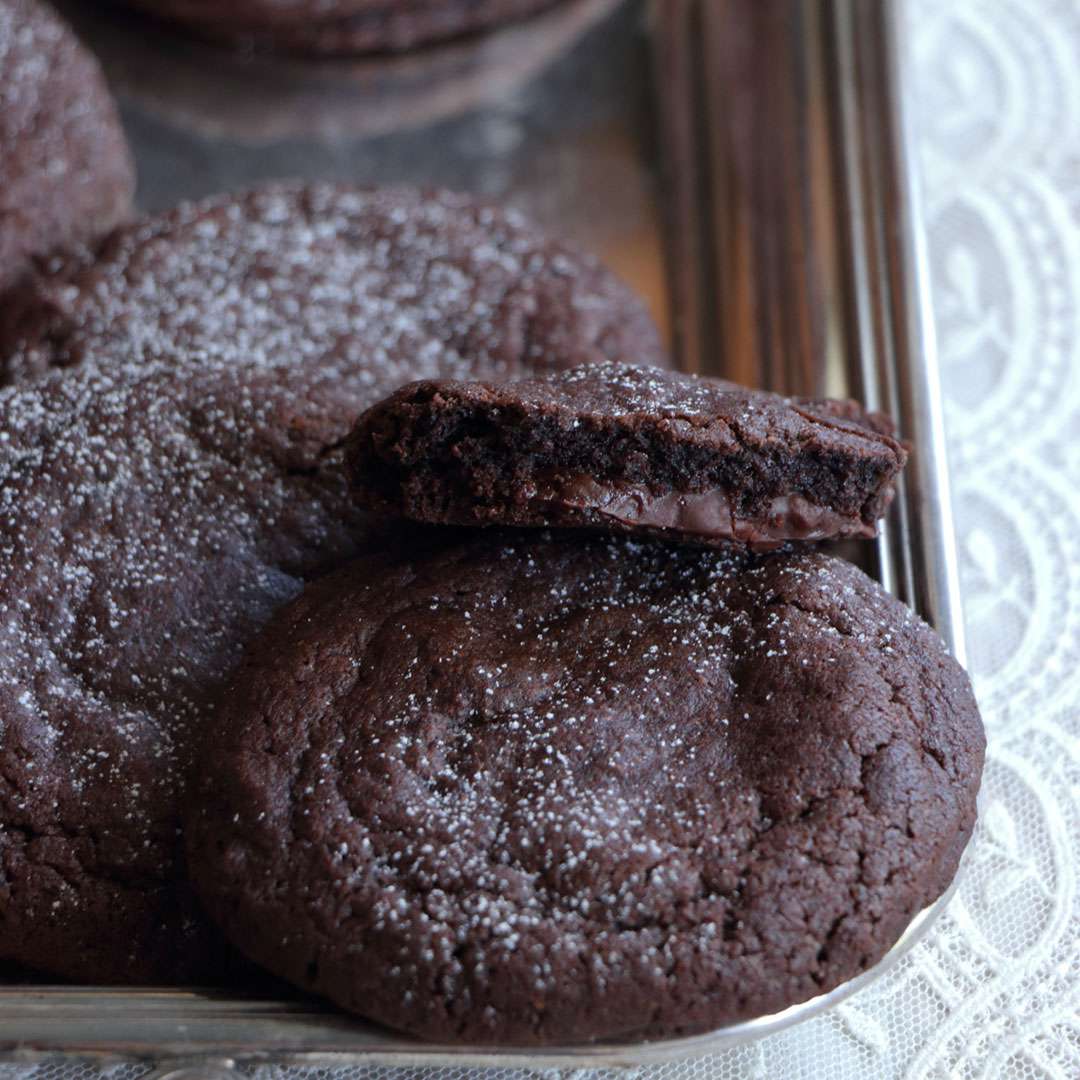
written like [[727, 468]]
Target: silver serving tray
[[787, 190]]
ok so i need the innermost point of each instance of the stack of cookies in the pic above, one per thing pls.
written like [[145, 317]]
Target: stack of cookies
[[365, 615]]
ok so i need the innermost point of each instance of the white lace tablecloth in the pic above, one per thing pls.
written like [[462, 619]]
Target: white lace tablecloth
[[995, 990]]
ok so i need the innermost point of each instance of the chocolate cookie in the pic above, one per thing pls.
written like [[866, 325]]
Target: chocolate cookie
[[160, 500], [616, 447], [390, 280], [66, 174], [542, 789]]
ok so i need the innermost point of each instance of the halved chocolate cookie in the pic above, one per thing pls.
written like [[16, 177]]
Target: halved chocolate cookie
[[617, 447]]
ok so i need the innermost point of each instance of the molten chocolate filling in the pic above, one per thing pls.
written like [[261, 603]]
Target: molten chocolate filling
[[703, 513]]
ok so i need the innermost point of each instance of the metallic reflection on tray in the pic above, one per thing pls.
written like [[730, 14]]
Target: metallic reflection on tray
[[796, 263], [260, 100]]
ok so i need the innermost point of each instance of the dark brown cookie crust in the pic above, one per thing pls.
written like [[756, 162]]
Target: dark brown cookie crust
[[151, 519], [66, 174], [541, 789], [616, 447], [373, 279], [161, 499]]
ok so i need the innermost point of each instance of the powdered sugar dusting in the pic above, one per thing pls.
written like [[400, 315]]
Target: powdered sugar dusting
[[161, 500], [335, 275], [630, 390], [546, 753]]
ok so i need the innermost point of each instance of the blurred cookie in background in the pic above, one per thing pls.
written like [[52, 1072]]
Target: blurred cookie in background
[[173, 84], [66, 174]]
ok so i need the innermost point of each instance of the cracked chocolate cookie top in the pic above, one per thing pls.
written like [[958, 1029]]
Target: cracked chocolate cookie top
[[163, 497], [617, 447], [66, 174], [546, 788], [389, 284]]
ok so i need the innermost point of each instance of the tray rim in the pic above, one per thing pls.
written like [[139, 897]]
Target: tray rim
[[175, 1036]]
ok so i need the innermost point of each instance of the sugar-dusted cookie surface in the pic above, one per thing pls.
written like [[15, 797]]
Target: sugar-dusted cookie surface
[[160, 499], [542, 789], [392, 280], [617, 447]]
